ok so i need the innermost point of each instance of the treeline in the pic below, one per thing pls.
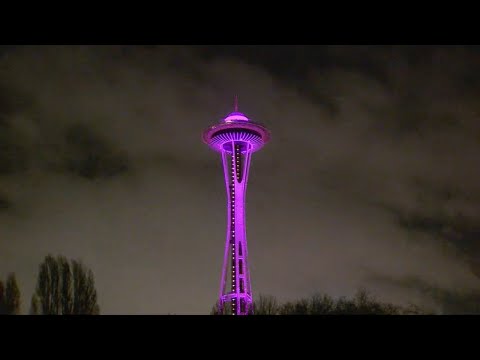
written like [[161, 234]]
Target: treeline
[[362, 303], [64, 287]]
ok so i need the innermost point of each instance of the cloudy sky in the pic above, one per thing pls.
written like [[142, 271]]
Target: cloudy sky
[[371, 178]]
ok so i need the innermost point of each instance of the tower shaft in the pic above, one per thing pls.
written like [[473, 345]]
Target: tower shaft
[[235, 289]]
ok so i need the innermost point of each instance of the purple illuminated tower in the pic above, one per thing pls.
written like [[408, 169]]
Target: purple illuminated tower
[[236, 138]]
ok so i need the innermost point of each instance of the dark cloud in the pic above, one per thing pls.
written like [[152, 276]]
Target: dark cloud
[[370, 174], [443, 301], [90, 157], [4, 203]]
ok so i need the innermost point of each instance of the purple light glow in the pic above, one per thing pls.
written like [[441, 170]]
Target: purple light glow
[[235, 116], [237, 138]]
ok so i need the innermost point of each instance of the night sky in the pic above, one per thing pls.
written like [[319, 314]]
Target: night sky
[[371, 178]]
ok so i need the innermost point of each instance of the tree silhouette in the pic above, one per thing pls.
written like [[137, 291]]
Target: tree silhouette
[[66, 288], [35, 305], [266, 305], [361, 304], [85, 295], [322, 304], [3, 300], [12, 295], [215, 309], [46, 291]]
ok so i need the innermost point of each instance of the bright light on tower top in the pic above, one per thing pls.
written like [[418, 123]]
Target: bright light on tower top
[[235, 116]]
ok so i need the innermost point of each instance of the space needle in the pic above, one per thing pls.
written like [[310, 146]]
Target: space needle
[[236, 138]]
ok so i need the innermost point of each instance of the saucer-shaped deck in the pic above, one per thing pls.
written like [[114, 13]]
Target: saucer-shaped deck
[[236, 128]]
